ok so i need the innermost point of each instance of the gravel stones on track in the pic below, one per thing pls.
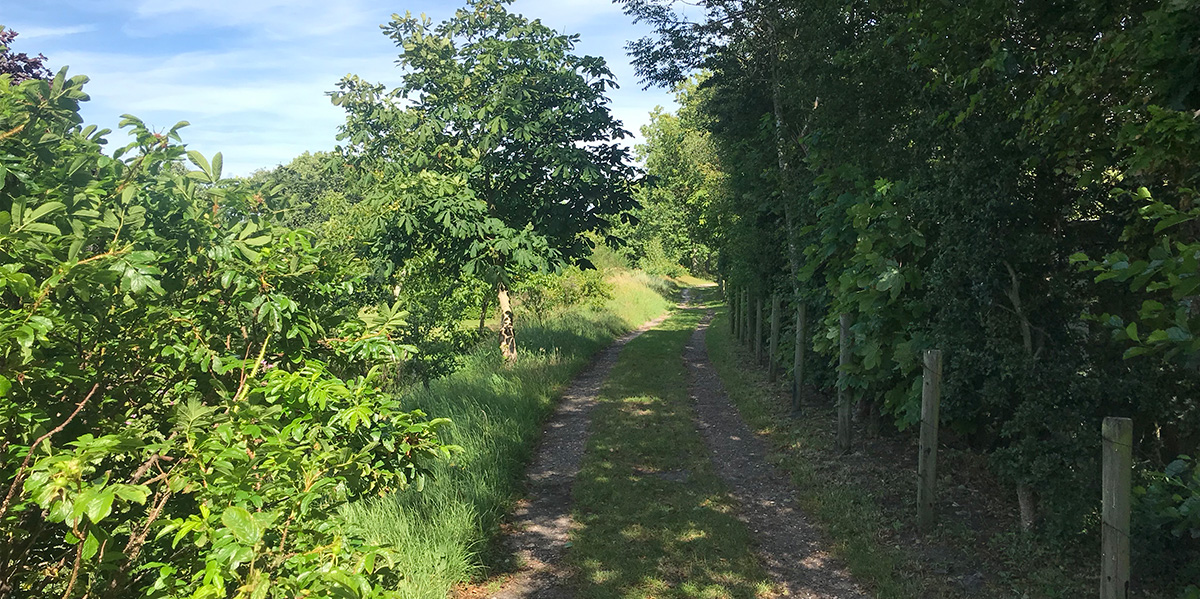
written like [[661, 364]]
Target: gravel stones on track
[[542, 522], [790, 547]]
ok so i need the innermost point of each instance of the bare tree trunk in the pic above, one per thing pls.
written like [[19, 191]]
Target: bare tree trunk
[[508, 336], [758, 331], [789, 217], [1028, 500], [483, 310], [798, 356], [773, 353]]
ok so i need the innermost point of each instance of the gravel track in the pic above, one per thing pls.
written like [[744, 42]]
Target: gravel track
[[790, 547], [542, 521]]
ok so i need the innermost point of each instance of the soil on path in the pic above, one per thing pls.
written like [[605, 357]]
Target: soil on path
[[542, 521], [790, 547]]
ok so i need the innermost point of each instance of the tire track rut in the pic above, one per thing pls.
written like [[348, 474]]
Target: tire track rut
[[789, 546]]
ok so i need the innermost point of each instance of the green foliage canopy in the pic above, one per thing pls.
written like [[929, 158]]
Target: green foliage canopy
[[188, 390], [1014, 183], [498, 149]]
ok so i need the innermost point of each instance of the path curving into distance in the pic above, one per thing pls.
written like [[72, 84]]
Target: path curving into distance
[[788, 545]]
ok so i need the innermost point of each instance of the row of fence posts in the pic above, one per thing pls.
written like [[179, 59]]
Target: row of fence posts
[[1117, 432]]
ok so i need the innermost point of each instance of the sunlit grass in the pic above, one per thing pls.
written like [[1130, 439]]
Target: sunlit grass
[[445, 532]]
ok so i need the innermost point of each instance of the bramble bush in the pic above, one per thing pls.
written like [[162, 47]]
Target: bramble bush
[[188, 391]]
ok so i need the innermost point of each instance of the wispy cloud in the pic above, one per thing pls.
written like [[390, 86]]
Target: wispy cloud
[[274, 19], [28, 33], [251, 75], [569, 16]]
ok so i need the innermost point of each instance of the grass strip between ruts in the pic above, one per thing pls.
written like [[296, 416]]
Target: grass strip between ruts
[[654, 519]]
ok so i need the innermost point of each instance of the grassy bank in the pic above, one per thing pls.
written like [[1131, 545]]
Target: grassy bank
[[444, 531]]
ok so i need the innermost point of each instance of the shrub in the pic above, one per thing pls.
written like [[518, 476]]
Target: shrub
[[1166, 521], [187, 391]]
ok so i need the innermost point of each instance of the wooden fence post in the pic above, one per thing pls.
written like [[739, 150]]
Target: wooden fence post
[[758, 332], [745, 316], [798, 355], [843, 430], [733, 311], [773, 353], [931, 397], [1118, 474]]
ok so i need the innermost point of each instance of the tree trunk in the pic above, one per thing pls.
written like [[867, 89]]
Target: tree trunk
[[789, 218], [483, 310], [733, 312], [798, 356], [874, 419], [773, 354], [746, 317], [1028, 500], [758, 331], [508, 336]]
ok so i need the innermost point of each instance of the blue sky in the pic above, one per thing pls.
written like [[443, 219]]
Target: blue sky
[[251, 75]]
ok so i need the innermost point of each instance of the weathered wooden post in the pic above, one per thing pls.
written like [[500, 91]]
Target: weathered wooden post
[[742, 316], [843, 430], [773, 353], [733, 312], [758, 332], [1118, 474], [747, 329], [798, 356], [931, 398]]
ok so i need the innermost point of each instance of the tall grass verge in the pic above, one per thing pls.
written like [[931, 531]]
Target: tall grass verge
[[444, 531]]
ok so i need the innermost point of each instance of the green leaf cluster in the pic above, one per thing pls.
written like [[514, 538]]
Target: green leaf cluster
[[189, 389], [1012, 183]]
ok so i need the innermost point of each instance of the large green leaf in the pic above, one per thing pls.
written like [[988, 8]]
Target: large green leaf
[[242, 524]]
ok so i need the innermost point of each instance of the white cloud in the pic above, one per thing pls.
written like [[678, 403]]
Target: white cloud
[[28, 33], [568, 16], [251, 75]]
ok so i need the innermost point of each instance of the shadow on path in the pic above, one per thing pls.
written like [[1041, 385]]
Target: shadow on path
[[542, 521], [790, 547]]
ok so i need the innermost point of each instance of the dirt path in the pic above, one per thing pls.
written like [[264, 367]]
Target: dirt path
[[542, 522], [789, 546]]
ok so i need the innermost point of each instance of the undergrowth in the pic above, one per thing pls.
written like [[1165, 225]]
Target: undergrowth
[[444, 531], [865, 504]]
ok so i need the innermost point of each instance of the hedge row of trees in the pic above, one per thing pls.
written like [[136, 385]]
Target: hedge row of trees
[[1014, 183]]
